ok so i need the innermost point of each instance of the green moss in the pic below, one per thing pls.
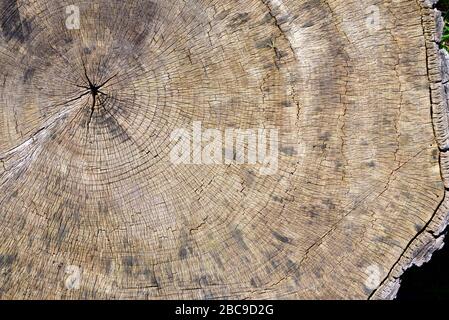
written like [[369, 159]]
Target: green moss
[[443, 5]]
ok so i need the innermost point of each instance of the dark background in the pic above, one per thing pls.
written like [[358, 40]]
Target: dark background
[[429, 282]]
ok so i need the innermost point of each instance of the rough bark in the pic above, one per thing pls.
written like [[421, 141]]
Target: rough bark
[[357, 89]]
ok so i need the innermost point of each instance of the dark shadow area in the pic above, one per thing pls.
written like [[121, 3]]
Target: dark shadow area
[[429, 282], [443, 5]]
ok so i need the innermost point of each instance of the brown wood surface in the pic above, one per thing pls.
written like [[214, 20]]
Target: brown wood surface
[[356, 89]]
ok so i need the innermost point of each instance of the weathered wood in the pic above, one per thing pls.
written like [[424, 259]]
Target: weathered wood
[[92, 205]]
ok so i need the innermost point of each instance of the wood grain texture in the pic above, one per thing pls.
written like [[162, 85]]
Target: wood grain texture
[[363, 153]]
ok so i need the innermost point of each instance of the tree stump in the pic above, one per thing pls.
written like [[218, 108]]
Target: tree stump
[[92, 205]]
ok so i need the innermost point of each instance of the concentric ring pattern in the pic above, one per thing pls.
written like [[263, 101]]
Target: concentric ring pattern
[[87, 117]]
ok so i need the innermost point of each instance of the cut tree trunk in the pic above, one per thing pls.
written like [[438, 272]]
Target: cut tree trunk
[[92, 205]]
